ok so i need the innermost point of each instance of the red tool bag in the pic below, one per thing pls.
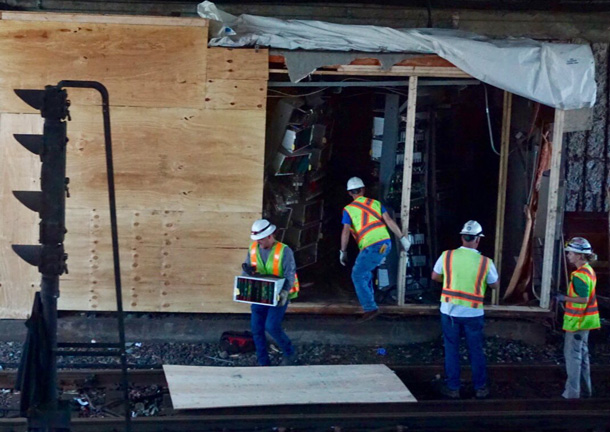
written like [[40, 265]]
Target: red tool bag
[[237, 342]]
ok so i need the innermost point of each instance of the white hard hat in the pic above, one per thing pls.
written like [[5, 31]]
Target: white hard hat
[[579, 245], [472, 228], [261, 228], [354, 183]]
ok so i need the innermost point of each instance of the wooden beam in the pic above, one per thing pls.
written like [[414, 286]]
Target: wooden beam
[[411, 310], [432, 72], [502, 183], [552, 210], [406, 184], [431, 60], [104, 19]]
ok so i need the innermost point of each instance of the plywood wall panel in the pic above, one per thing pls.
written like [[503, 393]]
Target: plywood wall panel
[[19, 170], [236, 94], [173, 159], [153, 66], [238, 64], [188, 172]]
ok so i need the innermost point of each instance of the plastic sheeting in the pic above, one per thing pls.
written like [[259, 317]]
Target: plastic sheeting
[[558, 75]]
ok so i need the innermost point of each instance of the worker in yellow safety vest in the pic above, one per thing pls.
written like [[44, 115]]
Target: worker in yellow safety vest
[[581, 315], [367, 221], [266, 256], [465, 275]]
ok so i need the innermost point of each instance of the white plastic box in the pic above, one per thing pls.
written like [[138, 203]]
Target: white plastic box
[[378, 123], [262, 290]]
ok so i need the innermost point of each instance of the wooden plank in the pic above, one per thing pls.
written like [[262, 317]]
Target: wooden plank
[[236, 94], [238, 64], [423, 71], [427, 60], [552, 211], [410, 310], [19, 170], [432, 72], [502, 184], [104, 19], [200, 387], [169, 159], [141, 65], [406, 184]]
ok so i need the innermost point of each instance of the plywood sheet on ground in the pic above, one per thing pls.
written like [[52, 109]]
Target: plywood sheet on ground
[[141, 65], [197, 387]]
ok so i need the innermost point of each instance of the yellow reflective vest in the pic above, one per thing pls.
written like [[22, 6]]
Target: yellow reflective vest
[[464, 277], [273, 266], [582, 316], [367, 226]]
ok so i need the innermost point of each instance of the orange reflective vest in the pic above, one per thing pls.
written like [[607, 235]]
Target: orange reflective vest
[[367, 226], [582, 316], [273, 266], [464, 277]]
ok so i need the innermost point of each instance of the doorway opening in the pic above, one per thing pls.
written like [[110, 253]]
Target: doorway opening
[[322, 133]]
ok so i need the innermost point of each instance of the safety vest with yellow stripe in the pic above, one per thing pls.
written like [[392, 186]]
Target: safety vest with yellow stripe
[[582, 316], [367, 224], [464, 277], [273, 266]]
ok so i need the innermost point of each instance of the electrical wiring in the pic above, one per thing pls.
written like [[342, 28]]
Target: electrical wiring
[[491, 138]]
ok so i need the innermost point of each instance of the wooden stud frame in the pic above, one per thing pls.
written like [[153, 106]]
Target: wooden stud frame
[[502, 185], [552, 210], [406, 184]]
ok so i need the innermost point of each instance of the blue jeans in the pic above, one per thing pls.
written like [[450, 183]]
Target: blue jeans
[[269, 318], [473, 329], [362, 273]]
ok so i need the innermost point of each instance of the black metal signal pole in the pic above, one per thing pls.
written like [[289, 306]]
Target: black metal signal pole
[[38, 370], [49, 256]]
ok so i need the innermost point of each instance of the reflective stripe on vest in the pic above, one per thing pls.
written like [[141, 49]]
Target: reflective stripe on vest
[[273, 266], [464, 277], [582, 316], [367, 227]]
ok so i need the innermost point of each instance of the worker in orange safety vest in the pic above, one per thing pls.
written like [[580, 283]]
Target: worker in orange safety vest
[[367, 221], [581, 315], [267, 256]]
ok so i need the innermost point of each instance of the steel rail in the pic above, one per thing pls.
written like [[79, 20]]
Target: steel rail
[[408, 374], [427, 415]]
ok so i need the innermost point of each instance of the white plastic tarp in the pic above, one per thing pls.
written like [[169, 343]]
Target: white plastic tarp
[[558, 75]]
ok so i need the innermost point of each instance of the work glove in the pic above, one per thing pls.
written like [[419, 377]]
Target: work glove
[[249, 270], [560, 297], [283, 298], [405, 243], [343, 258]]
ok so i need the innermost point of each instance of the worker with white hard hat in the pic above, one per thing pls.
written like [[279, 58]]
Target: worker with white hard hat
[[367, 221], [465, 275], [266, 256], [581, 315]]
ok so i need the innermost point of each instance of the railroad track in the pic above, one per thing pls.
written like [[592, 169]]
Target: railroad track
[[507, 413]]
